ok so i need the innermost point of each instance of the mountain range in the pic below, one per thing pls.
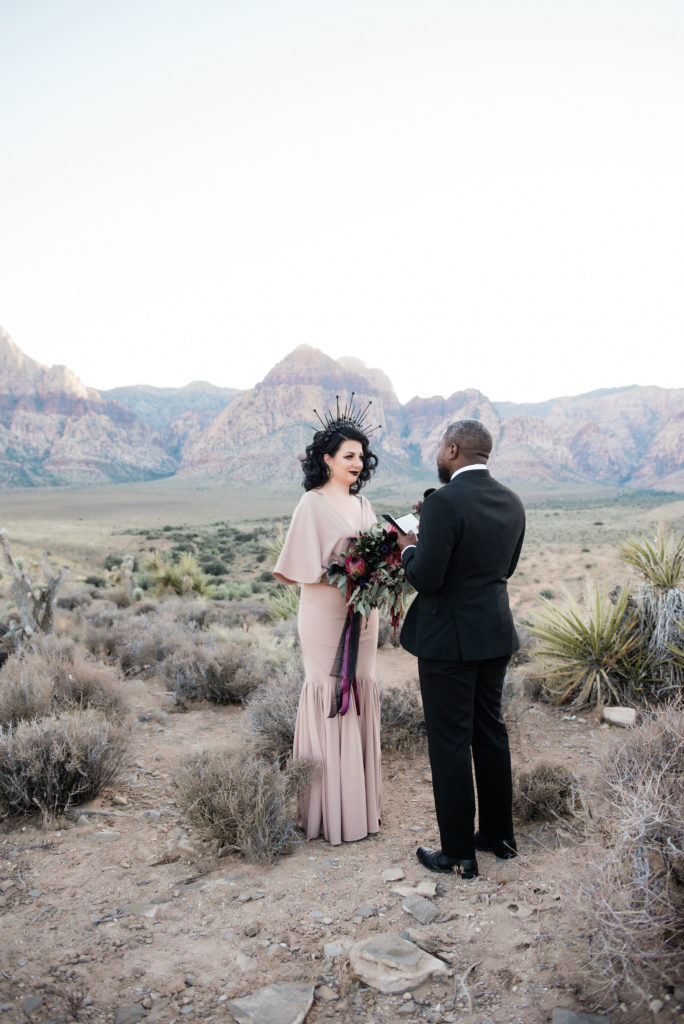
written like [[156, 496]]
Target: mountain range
[[55, 430]]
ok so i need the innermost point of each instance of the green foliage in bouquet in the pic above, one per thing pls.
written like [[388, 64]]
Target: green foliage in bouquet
[[372, 575]]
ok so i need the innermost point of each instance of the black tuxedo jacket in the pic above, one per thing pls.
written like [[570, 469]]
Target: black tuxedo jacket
[[471, 533]]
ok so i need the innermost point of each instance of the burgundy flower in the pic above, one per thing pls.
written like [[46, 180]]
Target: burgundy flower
[[355, 565]]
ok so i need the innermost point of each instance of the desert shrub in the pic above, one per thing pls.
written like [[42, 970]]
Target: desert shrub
[[183, 576], [244, 613], [223, 667], [660, 604], [25, 688], [51, 763], [283, 602], [385, 631], [544, 791], [630, 895], [272, 713], [402, 723], [83, 683], [243, 802], [74, 596], [593, 660], [53, 673]]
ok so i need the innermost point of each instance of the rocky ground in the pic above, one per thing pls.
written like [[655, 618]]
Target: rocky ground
[[121, 913]]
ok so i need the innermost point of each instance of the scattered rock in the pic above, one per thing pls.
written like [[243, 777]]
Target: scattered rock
[[393, 965], [31, 1004], [105, 835], [624, 717], [561, 1016], [420, 908], [366, 910], [140, 909], [656, 1005], [82, 820], [428, 889], [338, 947], [121, 801], [252, 929], [275, 1004], [243, 961], [129, 1014], [326, 994], [392, 875], [679, 993]]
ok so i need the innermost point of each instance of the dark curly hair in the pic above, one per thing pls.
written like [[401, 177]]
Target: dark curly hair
[[326, 442]]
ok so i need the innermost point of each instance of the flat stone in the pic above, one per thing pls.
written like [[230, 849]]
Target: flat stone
[[561, 1016], [140, 909], [244, 961], [624, 717], [326, 994], [32, 1003], [428, 889], [105, 835], [392, 875], [129, 1014], [337, 947], [366, 910], [420, 908], [391, 964], [275, 1004]]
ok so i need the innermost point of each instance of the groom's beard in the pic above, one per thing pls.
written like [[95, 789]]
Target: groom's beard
[[443, 474]]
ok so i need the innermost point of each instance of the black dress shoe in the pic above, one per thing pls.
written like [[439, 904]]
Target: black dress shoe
[[435, 860], [503, 849]]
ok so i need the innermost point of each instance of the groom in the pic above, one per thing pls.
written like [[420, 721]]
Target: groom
[[461, 629]]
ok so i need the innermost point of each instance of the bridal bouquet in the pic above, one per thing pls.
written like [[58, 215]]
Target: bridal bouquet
[[372, 575]]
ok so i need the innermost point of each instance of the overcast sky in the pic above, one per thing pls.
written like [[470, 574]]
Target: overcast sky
[[465, 193]]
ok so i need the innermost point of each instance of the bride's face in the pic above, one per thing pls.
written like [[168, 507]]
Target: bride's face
[[347, 462]]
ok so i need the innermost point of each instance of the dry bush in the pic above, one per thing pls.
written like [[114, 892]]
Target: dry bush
[[53, 673], [25, 688], [631, 896], [402, 724], [547, 790], [242, 801], [54, 762], [222, 668], [272, 713]]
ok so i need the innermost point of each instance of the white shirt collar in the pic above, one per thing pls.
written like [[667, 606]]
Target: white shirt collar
[[464, 469]]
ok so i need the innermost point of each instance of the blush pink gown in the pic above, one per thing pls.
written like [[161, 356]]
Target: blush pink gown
[[344, 802]]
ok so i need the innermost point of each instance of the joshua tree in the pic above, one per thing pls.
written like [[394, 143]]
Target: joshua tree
[[34, 604]]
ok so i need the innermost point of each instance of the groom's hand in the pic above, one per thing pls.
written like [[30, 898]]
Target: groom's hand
[[405, 540]]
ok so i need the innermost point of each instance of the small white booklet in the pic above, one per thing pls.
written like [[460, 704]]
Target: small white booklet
[[404, 524]]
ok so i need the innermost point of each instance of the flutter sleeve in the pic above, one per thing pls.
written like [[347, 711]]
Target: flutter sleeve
[[301, 557]]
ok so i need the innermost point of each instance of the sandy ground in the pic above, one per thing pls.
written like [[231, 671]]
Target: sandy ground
[[94, 920]]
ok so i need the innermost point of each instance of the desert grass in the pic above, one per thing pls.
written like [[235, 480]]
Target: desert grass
[[51, 763], [630, 893], [242, 802]]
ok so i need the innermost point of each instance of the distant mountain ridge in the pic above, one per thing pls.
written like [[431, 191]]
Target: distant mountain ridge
[[56, 430]]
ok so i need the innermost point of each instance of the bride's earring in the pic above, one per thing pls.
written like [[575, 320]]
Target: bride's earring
[[328, 471]]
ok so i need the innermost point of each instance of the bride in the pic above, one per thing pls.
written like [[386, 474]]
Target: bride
[[343, 803]]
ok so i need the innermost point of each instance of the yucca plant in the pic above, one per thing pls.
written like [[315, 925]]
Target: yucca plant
[[594, 659], [660, 601], [283, 603], [181, 577]]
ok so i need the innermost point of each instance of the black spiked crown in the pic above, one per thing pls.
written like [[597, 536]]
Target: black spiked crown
[[352, 415]]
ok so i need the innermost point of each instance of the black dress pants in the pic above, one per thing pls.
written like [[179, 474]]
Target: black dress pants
[[462, 705]]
